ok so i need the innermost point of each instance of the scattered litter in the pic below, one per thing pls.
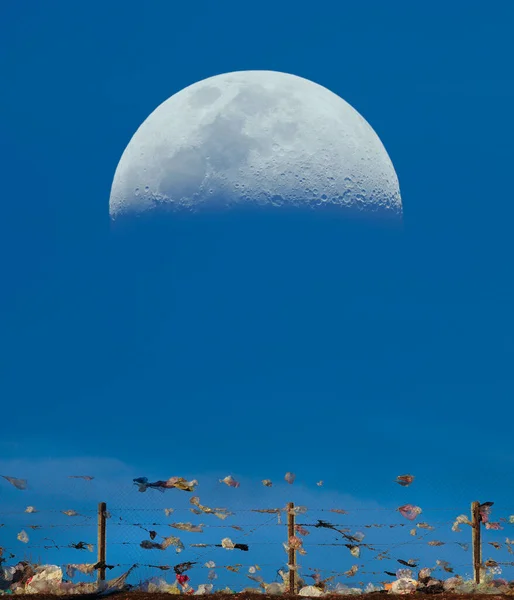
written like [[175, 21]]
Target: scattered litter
[[405, 480], [290, 477], [230, 481], [173, 482], [23, 537], [409, 511], [20, 484], [221, 513], [188, 527]]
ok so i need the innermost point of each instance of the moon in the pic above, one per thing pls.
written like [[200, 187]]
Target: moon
[[254, 138]]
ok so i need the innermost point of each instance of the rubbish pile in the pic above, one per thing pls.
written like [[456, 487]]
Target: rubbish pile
[[25, 578]]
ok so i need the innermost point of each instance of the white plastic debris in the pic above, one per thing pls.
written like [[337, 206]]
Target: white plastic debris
[[47, 579], [274, 589], [310, 590], [203, 589], [404, 586]]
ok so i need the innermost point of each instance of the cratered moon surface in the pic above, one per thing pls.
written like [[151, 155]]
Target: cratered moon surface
[[260, 138]]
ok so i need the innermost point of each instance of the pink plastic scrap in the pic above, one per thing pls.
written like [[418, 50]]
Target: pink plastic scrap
[[484, 510], [20, 484], [405, 480], [490, 525], [230, 481], [290, 477], [409, 511]]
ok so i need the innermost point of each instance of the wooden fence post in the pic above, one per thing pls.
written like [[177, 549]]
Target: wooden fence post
[[102, 509], [292, 551], [477, 544]]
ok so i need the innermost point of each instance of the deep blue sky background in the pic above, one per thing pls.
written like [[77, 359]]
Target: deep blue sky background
[[253, 347]]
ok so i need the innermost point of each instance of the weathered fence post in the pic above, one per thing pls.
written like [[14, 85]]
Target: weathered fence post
[[292, 551], [102, 509], [477, 544]]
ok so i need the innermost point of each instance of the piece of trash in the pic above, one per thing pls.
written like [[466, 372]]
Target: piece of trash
[[161, 485], [290, 477], [210, 565], [409, 563], [484, 510], [404, 586], [221, 513], [85, 477], [168, 511], [405, 480], [459, 520], [183, 567], [299, 529], [320, 483], [310, 590], [295, 542], [490, 525], [425, 526], [435, 543], [30, 509], [20, 484], [230, 481], [409, 511], [23, 537], [351, 572], [227, 543], [82, 546], [204, 588], [87, 569], [188, 527], [70, 513], [267, 482]]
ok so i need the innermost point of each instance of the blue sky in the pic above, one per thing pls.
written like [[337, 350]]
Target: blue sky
[[203, 347]]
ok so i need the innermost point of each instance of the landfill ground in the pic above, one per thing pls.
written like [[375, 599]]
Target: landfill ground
[[249, 596]]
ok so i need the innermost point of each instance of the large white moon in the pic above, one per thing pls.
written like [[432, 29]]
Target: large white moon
[[254, 137]]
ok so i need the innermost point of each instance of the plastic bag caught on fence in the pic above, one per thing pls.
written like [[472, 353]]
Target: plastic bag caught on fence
[[409, 511], [221, 513], [188, 527], [458, 521]]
